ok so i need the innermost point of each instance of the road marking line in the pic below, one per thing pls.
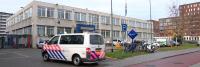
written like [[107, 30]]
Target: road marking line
[[3, 53], [21, 54]]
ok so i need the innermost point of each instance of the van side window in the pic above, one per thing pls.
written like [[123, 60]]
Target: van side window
[[72, 39], [65, 39], [54, 40], [96, 40]]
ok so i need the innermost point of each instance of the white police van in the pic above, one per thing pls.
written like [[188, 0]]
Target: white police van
[[76, 47]]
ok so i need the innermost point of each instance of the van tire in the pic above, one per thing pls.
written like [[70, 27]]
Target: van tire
[[45, 57], [76, 60], [96, 63]]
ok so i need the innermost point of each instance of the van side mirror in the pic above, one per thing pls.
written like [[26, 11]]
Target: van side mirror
[[46, 41]]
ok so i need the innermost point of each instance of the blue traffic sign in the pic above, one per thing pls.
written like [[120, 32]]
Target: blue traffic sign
[[124, 27], [132, 34]]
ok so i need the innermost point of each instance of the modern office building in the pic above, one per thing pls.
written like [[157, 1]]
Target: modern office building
[[190, 16], [43, 20], [3, 17]]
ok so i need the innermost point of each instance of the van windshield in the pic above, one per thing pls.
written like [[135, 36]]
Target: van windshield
[[96, 40]]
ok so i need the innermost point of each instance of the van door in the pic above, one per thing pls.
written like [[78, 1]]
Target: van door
[[97, 46], [53, 49], [64, 43], [72, 44]]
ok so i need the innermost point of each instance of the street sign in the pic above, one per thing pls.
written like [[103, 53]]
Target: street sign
[[124, 27], [132, 34]]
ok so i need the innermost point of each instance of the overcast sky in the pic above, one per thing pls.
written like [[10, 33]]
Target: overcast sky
[[136, 8]]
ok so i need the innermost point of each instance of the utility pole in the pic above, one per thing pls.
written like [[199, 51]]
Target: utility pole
[[150, 21], [112, 27]]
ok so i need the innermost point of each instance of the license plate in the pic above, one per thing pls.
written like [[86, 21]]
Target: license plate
[[98, 49]]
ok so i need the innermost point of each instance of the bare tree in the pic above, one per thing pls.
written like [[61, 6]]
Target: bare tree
[[176, 21]]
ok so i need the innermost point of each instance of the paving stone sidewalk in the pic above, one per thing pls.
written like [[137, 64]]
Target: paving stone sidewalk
[[150, 57]]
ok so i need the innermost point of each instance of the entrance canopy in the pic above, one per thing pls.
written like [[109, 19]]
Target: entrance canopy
[[80, 28]]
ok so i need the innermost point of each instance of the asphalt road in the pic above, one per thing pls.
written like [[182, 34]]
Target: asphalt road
[[33, 58], [184, 60]]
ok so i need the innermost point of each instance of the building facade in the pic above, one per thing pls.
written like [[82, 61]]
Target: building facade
[[190, 16], [43, 20], [3, 17], [168, 27], [156, 28]]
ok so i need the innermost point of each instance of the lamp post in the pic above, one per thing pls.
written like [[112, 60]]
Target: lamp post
[[150, 17], [112, 27]]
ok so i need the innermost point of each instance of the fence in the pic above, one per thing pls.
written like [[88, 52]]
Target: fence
[[16, 41]]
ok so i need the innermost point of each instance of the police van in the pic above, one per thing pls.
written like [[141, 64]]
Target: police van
[[76, 47]]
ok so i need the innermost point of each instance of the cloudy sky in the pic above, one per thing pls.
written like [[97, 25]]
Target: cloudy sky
[[136, 8]]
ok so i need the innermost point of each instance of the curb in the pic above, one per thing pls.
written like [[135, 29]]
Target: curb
[[166, 57], [180, 54], [140, 59]]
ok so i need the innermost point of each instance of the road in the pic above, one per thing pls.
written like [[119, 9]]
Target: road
[[33, 58], [184, 60]]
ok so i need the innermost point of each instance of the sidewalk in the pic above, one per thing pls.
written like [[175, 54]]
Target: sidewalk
[[150, 57], [195, 65]]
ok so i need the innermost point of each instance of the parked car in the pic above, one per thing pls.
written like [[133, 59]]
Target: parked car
[[156, 44], [41, 43], [117, 41], [75, 47], [174, 43]]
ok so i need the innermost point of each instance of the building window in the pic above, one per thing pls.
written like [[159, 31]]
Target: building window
[[140, 24], [41, 11], [50, 12], [20, 17], [80, 16], [93, 18], [77, 16], [27, 30], [61, 13], [103, 33], [137, 24], [50, 31], [83, 16], [107, 20], [149, 25], [123, 21], [116, 34], [68, 15], [68, 30], [60, 30], [145, 25], [107, 34], [131, 23], [41, 30], [116, 21], [103, 19], [19, 31], [28, 13]]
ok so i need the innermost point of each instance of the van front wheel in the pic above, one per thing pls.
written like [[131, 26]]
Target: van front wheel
[[76, 60], [46, 57]]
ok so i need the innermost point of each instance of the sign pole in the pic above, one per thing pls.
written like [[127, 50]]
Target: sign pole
[[112, 27], [132, 34], [126, 25], [124, 29]]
